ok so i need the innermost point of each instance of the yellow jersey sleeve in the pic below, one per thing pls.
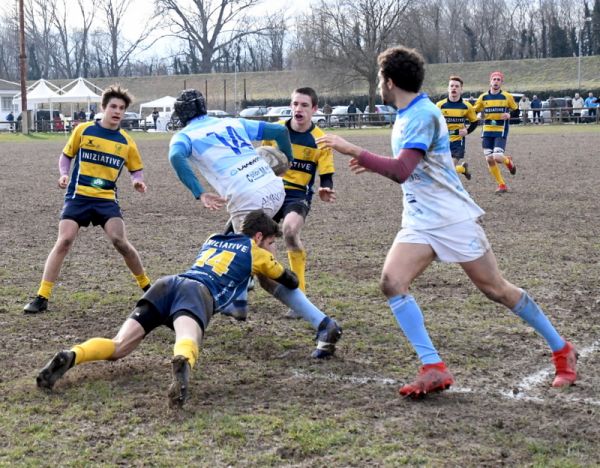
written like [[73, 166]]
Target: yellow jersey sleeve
[[134, 159], [264, 263], [74, 142], [471, 115]]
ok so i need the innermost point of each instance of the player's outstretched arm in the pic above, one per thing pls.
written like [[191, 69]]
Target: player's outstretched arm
[[279, 133]]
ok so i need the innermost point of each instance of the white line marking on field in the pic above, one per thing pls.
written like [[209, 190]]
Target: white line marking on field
[[525, 387]]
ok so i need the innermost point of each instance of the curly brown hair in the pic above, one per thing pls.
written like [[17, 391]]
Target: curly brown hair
[[115, 91], [404, 66]]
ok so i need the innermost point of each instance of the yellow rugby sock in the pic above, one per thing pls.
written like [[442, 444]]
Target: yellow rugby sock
[[46, 289], [460, 168], [188, 348], [297, 259], [94, 349], [143, 280], [495, 171]]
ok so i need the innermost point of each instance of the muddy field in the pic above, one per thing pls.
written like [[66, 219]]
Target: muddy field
[[257, 399]]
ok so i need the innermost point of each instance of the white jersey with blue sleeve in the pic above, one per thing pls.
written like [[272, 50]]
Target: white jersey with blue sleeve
[[223, 152], [433, 193]]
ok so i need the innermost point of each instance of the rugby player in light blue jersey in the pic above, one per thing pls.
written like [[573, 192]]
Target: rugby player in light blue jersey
[[439, 222], [222, 150]]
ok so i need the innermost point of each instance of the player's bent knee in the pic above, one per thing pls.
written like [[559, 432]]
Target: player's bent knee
[[391, 287]]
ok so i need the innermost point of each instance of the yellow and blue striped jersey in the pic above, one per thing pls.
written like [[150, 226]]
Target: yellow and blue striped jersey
[[456, 115], [225, 263], [308, 159], [100, 155], [493, 106]]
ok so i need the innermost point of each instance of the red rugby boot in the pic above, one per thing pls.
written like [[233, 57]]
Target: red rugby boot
[[510, 165], [565, 361], [431, 378]]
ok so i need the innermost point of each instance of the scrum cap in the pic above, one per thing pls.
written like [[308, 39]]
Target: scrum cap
[[497, 73], [189, 104]]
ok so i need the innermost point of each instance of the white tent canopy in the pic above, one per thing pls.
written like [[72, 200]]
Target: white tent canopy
[[79, 92], [164, 104], [40, 92]]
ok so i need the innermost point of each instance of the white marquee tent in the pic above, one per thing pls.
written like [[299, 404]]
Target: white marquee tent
[[79, 92], [164, 104], [40, 92]]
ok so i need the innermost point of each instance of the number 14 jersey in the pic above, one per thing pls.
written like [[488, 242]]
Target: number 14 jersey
[[223, 151], [225, 263]]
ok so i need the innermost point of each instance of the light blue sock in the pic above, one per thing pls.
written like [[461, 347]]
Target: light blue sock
[[531, 313], [410, 318], [299, 303]]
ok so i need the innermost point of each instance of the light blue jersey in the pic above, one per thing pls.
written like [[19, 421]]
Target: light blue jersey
[[222, 149], [433, 194]]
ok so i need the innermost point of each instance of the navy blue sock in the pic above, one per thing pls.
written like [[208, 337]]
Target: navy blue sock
[[531, 313], [410, 318]]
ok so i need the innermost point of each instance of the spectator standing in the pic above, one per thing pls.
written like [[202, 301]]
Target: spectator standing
[[552, 107], [155, 115], [577, 104], [536, 106], [352, 115], [591, 103], [525, 107], [327, 110], [82, 116], [10, 118]]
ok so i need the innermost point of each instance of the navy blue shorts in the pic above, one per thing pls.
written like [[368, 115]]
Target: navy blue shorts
[[296, 201], [90, 210], [171, 297], [457, 149], [491, 143]]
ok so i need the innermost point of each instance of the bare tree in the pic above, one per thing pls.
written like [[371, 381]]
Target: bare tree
[[208, 26], [121, 50], [350, 34]]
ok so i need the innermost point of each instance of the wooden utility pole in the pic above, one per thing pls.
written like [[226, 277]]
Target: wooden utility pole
[[23, 70]]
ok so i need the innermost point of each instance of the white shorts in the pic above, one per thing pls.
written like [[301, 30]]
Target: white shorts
[[457, 243], [268, 198]]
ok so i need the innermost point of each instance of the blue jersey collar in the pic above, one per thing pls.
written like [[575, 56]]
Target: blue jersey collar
[[413, 102]]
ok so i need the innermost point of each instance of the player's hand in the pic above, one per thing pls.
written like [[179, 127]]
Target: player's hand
[[139, 186], [327, 194], [339, 144], [212, 201], [355, 167], [63, 181], [505, 116], [463, 132]]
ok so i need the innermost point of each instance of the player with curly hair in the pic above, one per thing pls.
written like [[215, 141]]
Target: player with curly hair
[[439, 222]]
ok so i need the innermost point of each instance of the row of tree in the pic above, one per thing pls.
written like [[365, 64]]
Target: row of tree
[[91, 38]]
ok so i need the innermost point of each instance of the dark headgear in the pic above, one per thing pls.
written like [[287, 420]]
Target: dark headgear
[[190, 104]]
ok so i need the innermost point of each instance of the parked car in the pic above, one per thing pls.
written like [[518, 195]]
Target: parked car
[[276, 113], [339, 115], [217, 113], [254, 111], [381, 114], [130, 121], [562, 111]]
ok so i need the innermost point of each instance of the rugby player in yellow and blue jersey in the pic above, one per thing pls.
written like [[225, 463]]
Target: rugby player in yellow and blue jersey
[[100, 150], [457, 113], [495, 105], [187, 302], [298, 181]]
